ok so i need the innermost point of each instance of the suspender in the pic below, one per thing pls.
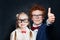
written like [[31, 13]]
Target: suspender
[[15, 36], [30, 35]]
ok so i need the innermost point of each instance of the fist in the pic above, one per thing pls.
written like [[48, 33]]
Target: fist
[[51, 16]]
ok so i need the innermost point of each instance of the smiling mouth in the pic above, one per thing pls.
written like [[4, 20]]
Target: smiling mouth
[[22, 24], [37, 20]]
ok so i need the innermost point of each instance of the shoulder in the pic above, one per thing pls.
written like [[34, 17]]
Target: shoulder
[[13, 32]]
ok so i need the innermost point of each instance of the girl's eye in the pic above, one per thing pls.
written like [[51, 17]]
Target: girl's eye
[[23, 20]]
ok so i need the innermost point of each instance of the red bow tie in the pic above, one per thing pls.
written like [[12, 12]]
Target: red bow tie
[[33, 28], [23, 31]]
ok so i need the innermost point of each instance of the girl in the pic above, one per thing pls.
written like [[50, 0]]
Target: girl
[[22, 32]]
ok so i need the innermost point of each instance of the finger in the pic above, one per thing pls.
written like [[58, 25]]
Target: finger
[[49, 10]]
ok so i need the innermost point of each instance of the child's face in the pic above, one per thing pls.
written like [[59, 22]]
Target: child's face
[[23, 20], [37, 16]]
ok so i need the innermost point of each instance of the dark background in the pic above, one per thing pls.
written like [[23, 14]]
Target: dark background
[[9, 9]]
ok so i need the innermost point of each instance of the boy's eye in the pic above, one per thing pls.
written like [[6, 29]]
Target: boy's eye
[[37, 15]]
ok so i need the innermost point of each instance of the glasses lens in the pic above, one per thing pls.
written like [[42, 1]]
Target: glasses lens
[[37, 15], [22, 20]]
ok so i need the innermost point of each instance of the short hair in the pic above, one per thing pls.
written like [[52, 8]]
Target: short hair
[[37, 7]]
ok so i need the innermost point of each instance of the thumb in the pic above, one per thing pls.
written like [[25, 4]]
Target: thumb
[[49, 10]]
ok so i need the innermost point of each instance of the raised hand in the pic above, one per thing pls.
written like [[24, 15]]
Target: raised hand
[[51, 16]]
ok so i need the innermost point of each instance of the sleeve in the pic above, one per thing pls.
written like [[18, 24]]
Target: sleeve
[[12, 35], [48, 23]]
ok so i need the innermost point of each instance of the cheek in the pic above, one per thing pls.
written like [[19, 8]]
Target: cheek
[[19, 24], [33, 19], [41, 18], [26, 24]]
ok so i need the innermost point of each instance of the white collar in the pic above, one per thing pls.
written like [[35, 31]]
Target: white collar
[[36, 25]]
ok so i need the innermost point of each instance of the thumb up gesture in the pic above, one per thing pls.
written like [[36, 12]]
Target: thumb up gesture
[[51, 16]]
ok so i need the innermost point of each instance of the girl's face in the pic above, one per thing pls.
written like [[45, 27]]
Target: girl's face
[[23, 20]]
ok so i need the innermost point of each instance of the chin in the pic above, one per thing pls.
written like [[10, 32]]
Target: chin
[[38, 22], [22, 26]]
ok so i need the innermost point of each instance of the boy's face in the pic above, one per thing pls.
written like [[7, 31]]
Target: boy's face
[[37, 16]]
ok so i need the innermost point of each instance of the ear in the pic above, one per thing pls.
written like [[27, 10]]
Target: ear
[[31, 18], [17, 15], [43, 18]]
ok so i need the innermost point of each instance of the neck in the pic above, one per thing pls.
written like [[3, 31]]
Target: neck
[[37, 24], [23, 28]]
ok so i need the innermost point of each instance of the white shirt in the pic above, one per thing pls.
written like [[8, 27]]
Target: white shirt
[[21, 36], [36, 30]]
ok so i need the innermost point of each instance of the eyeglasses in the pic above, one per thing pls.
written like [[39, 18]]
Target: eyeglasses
[[23, 20], [37, 15]]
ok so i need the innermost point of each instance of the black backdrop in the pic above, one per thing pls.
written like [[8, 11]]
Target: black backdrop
[[9, 8]]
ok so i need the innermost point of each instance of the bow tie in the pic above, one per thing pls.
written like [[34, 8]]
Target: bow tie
[[33, 28], [23, 31]]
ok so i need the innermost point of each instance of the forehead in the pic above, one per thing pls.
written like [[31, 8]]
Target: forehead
[[37, 12], [23, 16]]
